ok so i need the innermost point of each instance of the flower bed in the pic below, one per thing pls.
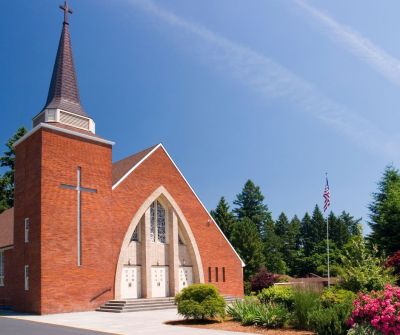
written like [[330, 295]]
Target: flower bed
[[379, 310]]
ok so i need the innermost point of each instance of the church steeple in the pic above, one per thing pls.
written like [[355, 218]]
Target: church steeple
[[63, 102]]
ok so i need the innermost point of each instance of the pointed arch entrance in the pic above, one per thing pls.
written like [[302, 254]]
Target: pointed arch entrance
[[159, 255]]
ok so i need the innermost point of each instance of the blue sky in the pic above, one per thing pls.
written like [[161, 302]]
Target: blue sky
[[276, 91]]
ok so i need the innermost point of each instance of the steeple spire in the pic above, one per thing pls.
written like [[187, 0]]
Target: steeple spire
[[63, 92], [63, 106]]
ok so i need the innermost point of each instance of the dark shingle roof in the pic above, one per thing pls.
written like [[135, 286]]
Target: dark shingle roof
[[63, 91], [124, 165], [7, 228]]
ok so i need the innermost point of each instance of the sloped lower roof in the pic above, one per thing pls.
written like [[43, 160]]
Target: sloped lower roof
[[121, 167], [7, 228]]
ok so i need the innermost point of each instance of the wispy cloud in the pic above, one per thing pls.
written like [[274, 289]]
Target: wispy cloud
[[269, 79], [386, 64]]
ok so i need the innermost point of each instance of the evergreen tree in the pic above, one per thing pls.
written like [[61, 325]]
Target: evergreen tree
[[318, 224], [293, 245], [307, 235], [282, 227], [250, 205], [274, 259], [7, 179], [223, 217], [294, 233], [342, 228], [385, 212], [246, 241]]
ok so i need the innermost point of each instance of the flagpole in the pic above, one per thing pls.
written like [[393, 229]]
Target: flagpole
[[327, 231], [327, 249]]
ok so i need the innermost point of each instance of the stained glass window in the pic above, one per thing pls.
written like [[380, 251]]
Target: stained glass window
[[157, 222], [152, 222], [135, 235], [160, 223]]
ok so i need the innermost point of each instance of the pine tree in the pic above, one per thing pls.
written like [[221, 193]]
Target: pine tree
[[294, 236], [307, 235], [246, 241], [223, 217], [385, 212], [318, 224], [274, 259], [282, 227], [250, 205], [342, 228], [7, 179]]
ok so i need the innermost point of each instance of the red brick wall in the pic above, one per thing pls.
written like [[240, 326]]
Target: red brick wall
[[44, 161], [27, 204], [65, 286], [214, 250], [6, 291]]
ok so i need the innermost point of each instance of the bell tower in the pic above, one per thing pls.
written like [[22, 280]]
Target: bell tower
[[63, 106], [63, 191]]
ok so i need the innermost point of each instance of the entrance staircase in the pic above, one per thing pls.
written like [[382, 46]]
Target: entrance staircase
[[137, 305]]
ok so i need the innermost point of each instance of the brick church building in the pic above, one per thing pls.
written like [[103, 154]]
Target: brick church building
[[85, 230]]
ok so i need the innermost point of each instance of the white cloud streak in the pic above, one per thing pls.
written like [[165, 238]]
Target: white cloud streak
[[381, 61], [271, 80]]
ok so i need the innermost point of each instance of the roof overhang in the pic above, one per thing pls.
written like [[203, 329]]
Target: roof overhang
[[62, 130]]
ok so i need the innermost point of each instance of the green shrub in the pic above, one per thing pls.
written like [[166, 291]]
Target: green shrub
[[278, 294], [305, 302], [334, 296], [200, 301], [251, 312], [362, 269], [331, 320]]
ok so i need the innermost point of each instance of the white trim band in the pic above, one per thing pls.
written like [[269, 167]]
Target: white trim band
[[61, 130]]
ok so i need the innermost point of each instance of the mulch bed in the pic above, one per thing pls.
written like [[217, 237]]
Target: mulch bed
[[234, 326]]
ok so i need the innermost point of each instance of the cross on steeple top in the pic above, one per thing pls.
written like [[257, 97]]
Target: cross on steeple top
[[67, 10]]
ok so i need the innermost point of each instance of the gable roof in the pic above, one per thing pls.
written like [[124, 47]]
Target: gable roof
[[7, 228], [138, 159], [123, 166]]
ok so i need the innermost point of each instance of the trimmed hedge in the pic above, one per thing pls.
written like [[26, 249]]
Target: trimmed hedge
[[200, 302]]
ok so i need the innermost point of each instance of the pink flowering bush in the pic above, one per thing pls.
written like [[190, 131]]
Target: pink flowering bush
[[380, 310]]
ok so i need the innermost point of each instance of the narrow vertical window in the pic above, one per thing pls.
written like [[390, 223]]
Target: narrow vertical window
[[209, 274], [158, 223], [26, 275], [161, 223], [152, 222], [223, 274], [26, 230], [1, 268], [216, 274], [135, 235]]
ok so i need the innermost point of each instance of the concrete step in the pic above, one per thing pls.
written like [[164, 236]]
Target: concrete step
[[136, 305], [136, 309]]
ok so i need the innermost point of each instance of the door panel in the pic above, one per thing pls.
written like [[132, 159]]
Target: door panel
[[160, 281], [130, 286], [185, 276]]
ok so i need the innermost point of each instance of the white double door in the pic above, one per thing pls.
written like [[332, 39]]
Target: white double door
[[185, 276], [130, 286], [159, 281]]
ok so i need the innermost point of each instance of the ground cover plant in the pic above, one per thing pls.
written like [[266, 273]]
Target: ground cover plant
[[252, 312], [200, 302]]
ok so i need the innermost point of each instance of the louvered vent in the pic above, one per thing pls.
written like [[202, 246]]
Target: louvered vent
[[74, 120], [39, 119]]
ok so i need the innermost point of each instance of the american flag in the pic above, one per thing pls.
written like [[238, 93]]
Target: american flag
[[327, 196]]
